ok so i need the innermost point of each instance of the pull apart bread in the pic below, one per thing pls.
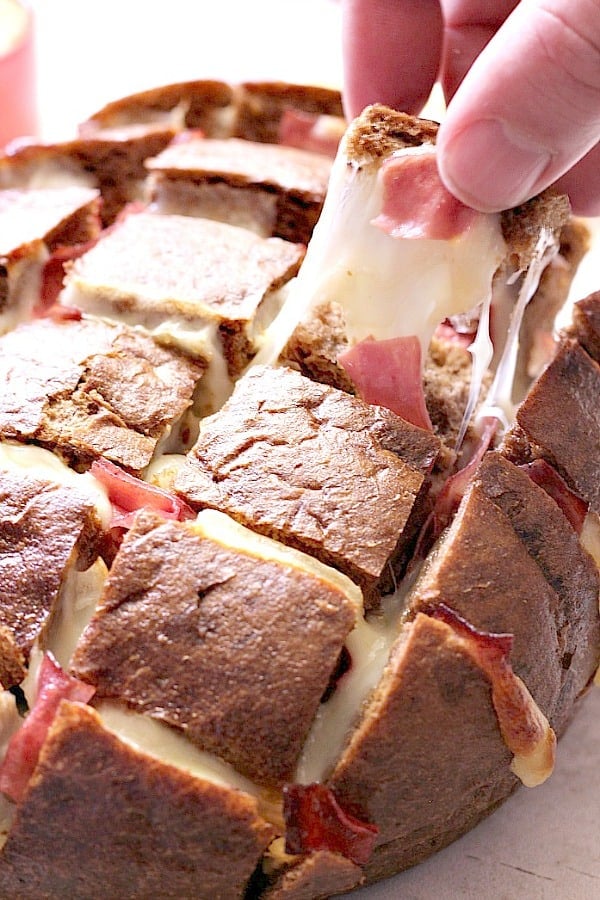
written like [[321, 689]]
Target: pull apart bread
[[299, 545]]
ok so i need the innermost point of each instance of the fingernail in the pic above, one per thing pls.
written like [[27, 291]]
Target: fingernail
[[490, 167]]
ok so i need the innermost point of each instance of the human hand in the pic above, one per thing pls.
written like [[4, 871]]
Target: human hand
[[522, 81]]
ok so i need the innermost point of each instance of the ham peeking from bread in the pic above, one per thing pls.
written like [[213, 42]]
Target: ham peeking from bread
[[37, 228], [52, 527], [112, 164], [395, 255]]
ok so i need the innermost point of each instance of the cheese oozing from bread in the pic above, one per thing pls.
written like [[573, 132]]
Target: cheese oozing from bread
[[388, 286], [221, 528], [77, 601], [45, 466], [369, 646]]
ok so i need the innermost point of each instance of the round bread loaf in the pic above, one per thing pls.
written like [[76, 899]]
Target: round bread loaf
[[277, 621]]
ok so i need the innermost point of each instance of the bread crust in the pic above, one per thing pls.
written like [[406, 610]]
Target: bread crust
[[571, 382], [252, 110], [90, 786], [431, 700], [177, 634], [45, 532], [585, 327], [69, 386], [358, 517], [315, 877]]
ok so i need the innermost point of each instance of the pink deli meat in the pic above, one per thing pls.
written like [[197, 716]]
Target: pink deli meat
[[416, 204], [388, 373]]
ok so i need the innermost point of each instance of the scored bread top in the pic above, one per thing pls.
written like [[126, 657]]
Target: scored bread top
[[338, 478], [234, 649], [150, 823], [189, 627], [88, 388]]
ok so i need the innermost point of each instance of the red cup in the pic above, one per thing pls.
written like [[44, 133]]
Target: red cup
[[18, 112]]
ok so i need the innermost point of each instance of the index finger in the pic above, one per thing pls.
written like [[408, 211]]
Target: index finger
[[392, 51]]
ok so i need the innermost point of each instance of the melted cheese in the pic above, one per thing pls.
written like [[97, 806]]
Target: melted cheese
[[44, 465], [120, 125], [369, 645], [167, 744], [198, 337], [7, 814], [388, 287], [535, 766], [24, 285], [78, 599], [10, 722], [213, 200], [590, 536], [59, 172], [219, 527], [171, 747], [499, 401], [482, 351], [163, 470]]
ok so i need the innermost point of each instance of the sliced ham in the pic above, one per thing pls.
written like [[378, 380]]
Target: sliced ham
[[314, 820], [53, 274], [388, 373], [129, 494], [416, 204], [447, 332], [574, 507], [307, 131], [54, 685], [523, 726]]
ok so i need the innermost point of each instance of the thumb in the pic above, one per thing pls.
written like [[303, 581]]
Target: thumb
[[528, 109]]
